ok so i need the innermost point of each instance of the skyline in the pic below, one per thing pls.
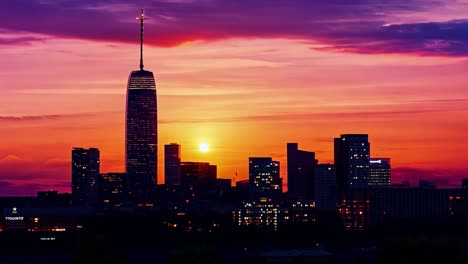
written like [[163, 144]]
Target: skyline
[[412, 104]]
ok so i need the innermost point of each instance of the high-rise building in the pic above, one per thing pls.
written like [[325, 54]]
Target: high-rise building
[[325, 187], [141, 137], [380, 173], [352, 156], [300, 173], [264, 179], [85, 176], [172, 164]]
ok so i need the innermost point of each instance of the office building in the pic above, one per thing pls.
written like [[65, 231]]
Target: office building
[[465, 184], [197, 173], [393, 204], [85, 176], [352, 156], [198, 179], [141, 137], [259, 215], [264, 179], [380, 172], [172, 164], [300, 173], [325, 187]]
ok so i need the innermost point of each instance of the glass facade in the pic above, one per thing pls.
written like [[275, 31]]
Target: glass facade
[[141, 137], [172, 164], [264, 179], [380, 173], [85, 176], [352, 156]]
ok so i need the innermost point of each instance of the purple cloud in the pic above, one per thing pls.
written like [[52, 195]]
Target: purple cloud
[[21, 177], [338, 25], [19, 40]]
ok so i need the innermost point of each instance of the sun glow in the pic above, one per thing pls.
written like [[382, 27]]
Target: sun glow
[[204, 147]]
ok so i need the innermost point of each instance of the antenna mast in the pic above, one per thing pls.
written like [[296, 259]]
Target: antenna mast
[[141, 18]]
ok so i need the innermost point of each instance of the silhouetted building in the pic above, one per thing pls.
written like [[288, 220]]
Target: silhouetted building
[[380, 172], [465, 184], [352, 161], [242, 190], [172, 164], [85, 176], [325, 187], [199, 178], [300, 173], [301, 212], [223, 185], [53, 199], [141, 137], [353, 208], [352, 156], [391, 204], [259, 215], [425, 184], [172, 198], [112, 189], [264, 179]]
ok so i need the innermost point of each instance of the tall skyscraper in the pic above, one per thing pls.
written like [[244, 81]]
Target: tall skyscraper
[[85, 176], [380, 173], [264, 179], [172, 164], [352, 156], [141, 137], [300, 173]]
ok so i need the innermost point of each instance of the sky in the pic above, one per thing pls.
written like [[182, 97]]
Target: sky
[[245, 77]]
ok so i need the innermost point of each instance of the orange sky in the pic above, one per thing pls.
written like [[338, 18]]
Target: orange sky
[[244, 97]]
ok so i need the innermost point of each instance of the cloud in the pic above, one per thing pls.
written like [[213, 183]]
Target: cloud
[[19, 40], [350, 115], [27, 118], [8, 188], [30, 118], [17, 169], [358, 26]]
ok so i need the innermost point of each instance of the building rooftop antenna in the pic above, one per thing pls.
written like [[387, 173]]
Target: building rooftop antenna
[[141, 17]]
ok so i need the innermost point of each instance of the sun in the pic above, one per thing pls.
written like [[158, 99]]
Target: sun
[[204, 147]]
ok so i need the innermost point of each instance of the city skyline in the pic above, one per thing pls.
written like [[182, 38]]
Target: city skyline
[[228, 90]]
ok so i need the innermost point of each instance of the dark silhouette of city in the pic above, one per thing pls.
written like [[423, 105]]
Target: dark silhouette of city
[[346, 212]]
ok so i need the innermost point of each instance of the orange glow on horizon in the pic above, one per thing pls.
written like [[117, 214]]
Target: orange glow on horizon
[[248, 97]]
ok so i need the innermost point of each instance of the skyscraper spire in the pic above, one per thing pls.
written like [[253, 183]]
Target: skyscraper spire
[[141, 18]]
